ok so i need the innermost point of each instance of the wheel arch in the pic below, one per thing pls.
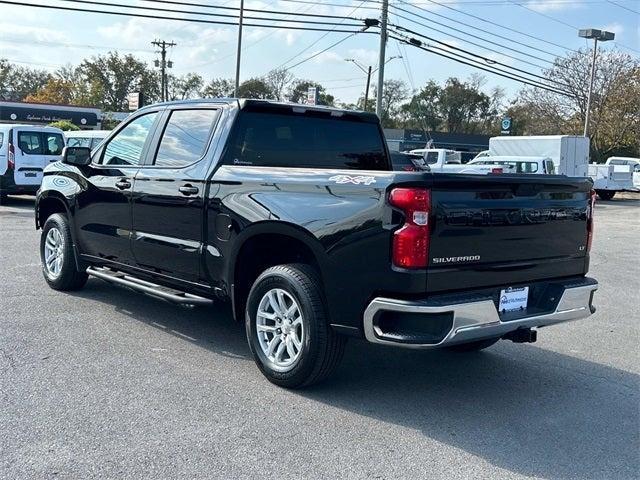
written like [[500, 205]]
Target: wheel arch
[[47, 204], [266, 244]]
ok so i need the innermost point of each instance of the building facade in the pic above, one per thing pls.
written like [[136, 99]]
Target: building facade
[[86, 118]]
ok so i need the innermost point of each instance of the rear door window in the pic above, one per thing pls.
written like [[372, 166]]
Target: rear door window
[[306, 141], [30, 143], [186, 137]]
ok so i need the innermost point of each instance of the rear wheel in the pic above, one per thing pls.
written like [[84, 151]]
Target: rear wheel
[[605, 194], [56, 253], [287, 328], [473, 346]]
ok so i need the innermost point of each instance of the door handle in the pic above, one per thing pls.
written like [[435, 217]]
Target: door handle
[[188, 190], [123, 184]]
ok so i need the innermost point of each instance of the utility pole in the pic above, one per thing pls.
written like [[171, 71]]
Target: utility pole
[[238, 54], [163, 64], [381, 56], [368, 71], [366, 90]]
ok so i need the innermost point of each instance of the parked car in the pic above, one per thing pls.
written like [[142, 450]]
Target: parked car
[[293, 214], [440, 160], [24, 152], [538, 165], [406, 162], [85, 138]]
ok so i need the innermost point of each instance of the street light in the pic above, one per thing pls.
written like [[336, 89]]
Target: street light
[[592, 33], [368, 72]]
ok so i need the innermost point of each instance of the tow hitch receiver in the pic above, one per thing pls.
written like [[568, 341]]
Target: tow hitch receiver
[[522, 335]]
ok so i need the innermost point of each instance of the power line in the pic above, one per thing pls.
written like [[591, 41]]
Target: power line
[[485, 59], [622, 6], [322, 51], [457, 58], [221, 7], [315, 41], [194, 20], [491, 23], [470, 42], [206, 14]]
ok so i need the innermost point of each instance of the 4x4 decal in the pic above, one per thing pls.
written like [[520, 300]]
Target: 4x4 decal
[[359, 180]]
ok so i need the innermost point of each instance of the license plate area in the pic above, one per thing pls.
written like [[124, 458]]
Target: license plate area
[[513, 299]]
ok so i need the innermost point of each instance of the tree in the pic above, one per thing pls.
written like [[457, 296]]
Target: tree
[[422, 111], [278, 81], [462, 106], [65, 125], [394, 92], [615, 119], [218, 88], [255, 88], [112, 77], [16, 83], [298, 93], [55, 91], [186, 86]]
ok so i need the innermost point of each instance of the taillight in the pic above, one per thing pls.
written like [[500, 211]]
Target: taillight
[[496, 170], [12, 157], [411, 242], [590, 208]]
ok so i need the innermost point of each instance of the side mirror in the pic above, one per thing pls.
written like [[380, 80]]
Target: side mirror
[[76, 156]]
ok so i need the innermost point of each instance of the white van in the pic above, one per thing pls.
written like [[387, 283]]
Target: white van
[[24, 152], [86, 138]]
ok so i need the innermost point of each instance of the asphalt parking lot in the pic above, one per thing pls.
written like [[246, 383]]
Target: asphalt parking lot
[[108, 383]]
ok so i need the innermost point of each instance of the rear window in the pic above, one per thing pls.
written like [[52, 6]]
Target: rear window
[[39, 143], [431, 158], [1, 138], [292, 140]]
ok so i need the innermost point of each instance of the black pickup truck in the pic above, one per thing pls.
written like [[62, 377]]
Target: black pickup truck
[[294, 215]]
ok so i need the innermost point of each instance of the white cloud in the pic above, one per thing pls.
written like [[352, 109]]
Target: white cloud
[[551, 5], [368, 57], [615, 27], [28, 33], [328, 57]]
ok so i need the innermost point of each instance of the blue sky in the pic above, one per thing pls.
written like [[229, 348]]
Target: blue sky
[[48, 38]]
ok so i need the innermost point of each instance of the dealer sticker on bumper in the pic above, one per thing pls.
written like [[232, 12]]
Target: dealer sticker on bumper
[[513, 299]]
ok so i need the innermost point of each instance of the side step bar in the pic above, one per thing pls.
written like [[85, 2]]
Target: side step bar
[[169, 294]]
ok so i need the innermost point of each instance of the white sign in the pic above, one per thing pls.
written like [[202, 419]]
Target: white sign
[[312, 96], [513, 299], [134, 101]]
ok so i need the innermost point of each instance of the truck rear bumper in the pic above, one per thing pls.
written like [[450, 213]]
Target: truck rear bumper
[[453, 319]]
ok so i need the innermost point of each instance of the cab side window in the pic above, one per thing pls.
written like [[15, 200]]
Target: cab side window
[[186, 137], [127, 146], [53, 143]]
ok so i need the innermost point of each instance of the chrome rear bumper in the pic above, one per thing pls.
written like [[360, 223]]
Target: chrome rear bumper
[[475, 320]]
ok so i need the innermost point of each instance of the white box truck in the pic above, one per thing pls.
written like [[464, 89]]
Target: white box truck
[[570, 153]]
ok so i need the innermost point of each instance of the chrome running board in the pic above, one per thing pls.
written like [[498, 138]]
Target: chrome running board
[[165, 293]]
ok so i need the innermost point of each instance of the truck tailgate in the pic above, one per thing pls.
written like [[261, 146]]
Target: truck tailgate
[[506, 229]]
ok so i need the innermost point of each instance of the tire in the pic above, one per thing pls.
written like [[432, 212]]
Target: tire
[[473, 346], [605, 194], [61, 273], [3, 198], [316, 348]]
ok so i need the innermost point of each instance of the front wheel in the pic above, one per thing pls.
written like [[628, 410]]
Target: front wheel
[[56, 253], [287, 328]]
